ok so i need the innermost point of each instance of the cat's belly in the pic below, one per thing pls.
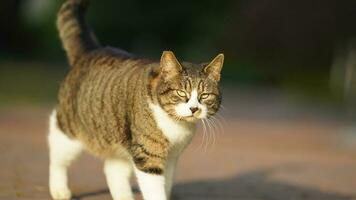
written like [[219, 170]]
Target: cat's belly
[[105, 150], [102, 144]]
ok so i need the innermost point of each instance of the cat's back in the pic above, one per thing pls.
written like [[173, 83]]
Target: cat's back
[[94, 97], [106, 72], [102, 71], [96, 72]]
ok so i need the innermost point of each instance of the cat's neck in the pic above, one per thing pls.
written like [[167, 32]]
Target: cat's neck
[[177, 132]]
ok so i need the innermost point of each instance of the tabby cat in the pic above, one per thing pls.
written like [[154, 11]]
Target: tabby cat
[[136, 114]]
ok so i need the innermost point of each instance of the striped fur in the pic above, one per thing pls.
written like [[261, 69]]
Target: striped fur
[[76, 36], [114, 104]]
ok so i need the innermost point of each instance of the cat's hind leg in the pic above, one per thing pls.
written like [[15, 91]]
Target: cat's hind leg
[[62, 151], [118, 172]]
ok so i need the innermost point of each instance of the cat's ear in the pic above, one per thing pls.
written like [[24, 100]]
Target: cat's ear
[[213, 69], [170, 67]]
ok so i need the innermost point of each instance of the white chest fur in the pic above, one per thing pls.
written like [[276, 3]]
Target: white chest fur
[[177, 133]]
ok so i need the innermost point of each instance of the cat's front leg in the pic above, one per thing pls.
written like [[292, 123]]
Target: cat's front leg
[[118, 172], [169, 174], [152, 185], [150, 162]]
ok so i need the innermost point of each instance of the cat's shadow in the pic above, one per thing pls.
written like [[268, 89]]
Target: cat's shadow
[[250, 186]]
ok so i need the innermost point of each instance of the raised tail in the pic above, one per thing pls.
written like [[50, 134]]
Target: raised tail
[[76, 36]]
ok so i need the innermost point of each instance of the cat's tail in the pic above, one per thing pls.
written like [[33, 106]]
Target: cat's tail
[[76, 36]]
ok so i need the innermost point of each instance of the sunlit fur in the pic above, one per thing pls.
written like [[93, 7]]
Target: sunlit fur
[[191, 80], [135, 113]]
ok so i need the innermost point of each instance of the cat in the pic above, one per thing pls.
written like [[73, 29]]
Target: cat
[[136, 114]]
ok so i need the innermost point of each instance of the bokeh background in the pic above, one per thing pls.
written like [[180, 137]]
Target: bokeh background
[[302, 48], [287, 126]]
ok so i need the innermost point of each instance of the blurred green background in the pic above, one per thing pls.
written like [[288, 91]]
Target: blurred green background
[[304, 48]]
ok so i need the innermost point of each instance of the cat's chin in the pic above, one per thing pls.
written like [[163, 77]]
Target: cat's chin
[[191, 119]]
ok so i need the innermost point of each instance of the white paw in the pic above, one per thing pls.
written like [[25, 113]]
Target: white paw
[[61, 194]]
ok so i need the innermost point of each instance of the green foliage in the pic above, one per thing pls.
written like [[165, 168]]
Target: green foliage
[[29, 83]]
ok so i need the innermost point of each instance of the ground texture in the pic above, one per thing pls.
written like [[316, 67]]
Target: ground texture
[[252, 159]]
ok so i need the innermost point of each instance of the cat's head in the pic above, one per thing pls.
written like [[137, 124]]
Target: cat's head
[[189, 91]]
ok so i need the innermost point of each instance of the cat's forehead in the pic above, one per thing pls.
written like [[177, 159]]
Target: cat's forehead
[[192, 71], [194, 77]]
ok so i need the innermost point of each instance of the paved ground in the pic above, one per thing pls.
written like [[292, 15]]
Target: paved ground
[[253, 159]]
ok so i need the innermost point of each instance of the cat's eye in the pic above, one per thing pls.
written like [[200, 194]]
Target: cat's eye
[[181, 93], [204, 96]]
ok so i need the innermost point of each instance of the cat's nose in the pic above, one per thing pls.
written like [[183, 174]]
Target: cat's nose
[[194, 109]]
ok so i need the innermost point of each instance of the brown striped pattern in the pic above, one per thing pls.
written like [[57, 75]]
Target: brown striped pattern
[[103, 101], [75, 34]]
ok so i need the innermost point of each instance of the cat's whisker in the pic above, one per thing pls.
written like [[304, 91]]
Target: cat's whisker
[[215, 126], [211, 134], [216, 129], [204, 134], [207, 136], [222, 121], [206, 139], [220, 126]]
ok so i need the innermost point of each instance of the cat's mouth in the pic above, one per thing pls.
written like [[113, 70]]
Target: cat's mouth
[[187, 115], [191, 118]]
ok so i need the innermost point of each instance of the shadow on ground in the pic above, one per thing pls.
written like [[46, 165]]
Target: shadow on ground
[[254, 185]]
